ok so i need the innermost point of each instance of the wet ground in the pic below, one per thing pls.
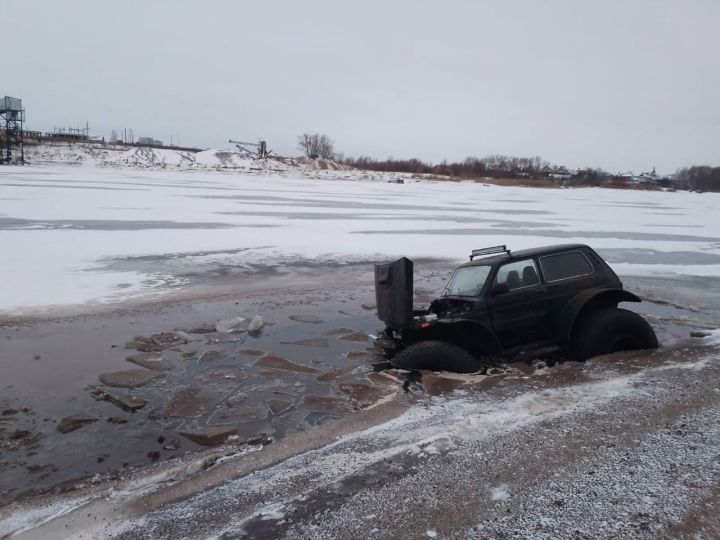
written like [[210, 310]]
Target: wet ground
[[620, 446], [90, 395], [86, 395]]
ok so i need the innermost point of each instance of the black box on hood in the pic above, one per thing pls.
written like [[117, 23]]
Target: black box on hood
[[394, 292]]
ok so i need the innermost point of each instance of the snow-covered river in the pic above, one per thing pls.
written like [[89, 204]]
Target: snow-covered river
[[78, 235]]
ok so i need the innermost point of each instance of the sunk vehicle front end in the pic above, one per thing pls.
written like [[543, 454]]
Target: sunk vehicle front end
[[394, 300]]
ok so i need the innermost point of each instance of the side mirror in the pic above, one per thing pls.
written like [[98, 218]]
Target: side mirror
[[499, 288]]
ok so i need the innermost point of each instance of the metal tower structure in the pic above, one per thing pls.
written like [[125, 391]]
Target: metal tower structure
[[261, 146], [12, 116]]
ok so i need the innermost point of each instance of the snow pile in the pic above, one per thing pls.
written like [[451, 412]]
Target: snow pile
[[316, 164], [145, 157], [107, 155], [500, 493], [241, 161]]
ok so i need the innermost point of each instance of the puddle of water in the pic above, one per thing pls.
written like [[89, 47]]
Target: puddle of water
[[669, 322], [54, 372]]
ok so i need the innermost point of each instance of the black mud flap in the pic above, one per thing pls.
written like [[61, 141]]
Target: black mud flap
[[394, 292]]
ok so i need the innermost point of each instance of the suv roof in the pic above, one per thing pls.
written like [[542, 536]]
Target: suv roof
[[522, 254]]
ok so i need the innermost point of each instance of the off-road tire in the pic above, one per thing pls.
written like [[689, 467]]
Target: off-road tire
[[611, 330], [436, 356]]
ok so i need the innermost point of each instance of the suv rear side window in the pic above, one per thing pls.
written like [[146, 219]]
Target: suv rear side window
[[518, 274], [565, 266]]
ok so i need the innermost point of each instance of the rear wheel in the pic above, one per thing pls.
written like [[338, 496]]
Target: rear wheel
[[436, 356], [612, 330]]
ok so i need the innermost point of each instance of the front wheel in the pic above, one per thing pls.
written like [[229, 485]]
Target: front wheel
[[436, 356], [612, 330]]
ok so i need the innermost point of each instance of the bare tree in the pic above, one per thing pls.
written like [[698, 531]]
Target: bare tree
[[704, 178], [315, 145], [113, 136]]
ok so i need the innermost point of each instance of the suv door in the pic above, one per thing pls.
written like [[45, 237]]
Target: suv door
[[566, 274], [518, 315]]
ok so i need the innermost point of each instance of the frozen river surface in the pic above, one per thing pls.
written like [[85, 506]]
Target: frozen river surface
[[78, 236]]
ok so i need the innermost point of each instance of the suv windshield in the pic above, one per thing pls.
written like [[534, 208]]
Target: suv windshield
[[467, 281]]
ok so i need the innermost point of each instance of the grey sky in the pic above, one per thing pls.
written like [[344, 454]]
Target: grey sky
[[618, 84]]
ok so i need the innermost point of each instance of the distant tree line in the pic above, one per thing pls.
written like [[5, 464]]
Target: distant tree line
[[703, 178], [593, 176], [499, 167], [496, 166], [316, 145]]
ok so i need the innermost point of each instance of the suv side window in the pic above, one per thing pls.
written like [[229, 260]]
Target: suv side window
[[565, 266], [518, 274]]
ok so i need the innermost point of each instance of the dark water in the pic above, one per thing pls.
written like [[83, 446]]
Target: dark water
[[49, 371]]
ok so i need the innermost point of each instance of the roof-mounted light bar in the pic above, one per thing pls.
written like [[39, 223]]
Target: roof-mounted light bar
[[489, 251]]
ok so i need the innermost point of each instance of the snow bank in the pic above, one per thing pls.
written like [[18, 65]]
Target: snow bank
[[143, 157]]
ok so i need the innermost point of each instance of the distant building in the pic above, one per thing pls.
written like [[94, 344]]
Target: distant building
[[646, 178], [149, 141], [558, 173], [69, 135]]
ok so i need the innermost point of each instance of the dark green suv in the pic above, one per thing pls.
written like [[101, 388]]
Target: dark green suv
[[551, 299]]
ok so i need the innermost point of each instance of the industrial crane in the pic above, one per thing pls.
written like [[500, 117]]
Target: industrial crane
[[261, 146]]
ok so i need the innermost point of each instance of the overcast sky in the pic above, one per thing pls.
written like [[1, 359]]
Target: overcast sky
[[620, 84]]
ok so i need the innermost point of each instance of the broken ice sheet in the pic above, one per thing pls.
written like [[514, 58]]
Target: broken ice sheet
[[234, 325]]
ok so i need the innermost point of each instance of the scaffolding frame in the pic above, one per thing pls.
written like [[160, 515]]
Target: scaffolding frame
[[12, 118]]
